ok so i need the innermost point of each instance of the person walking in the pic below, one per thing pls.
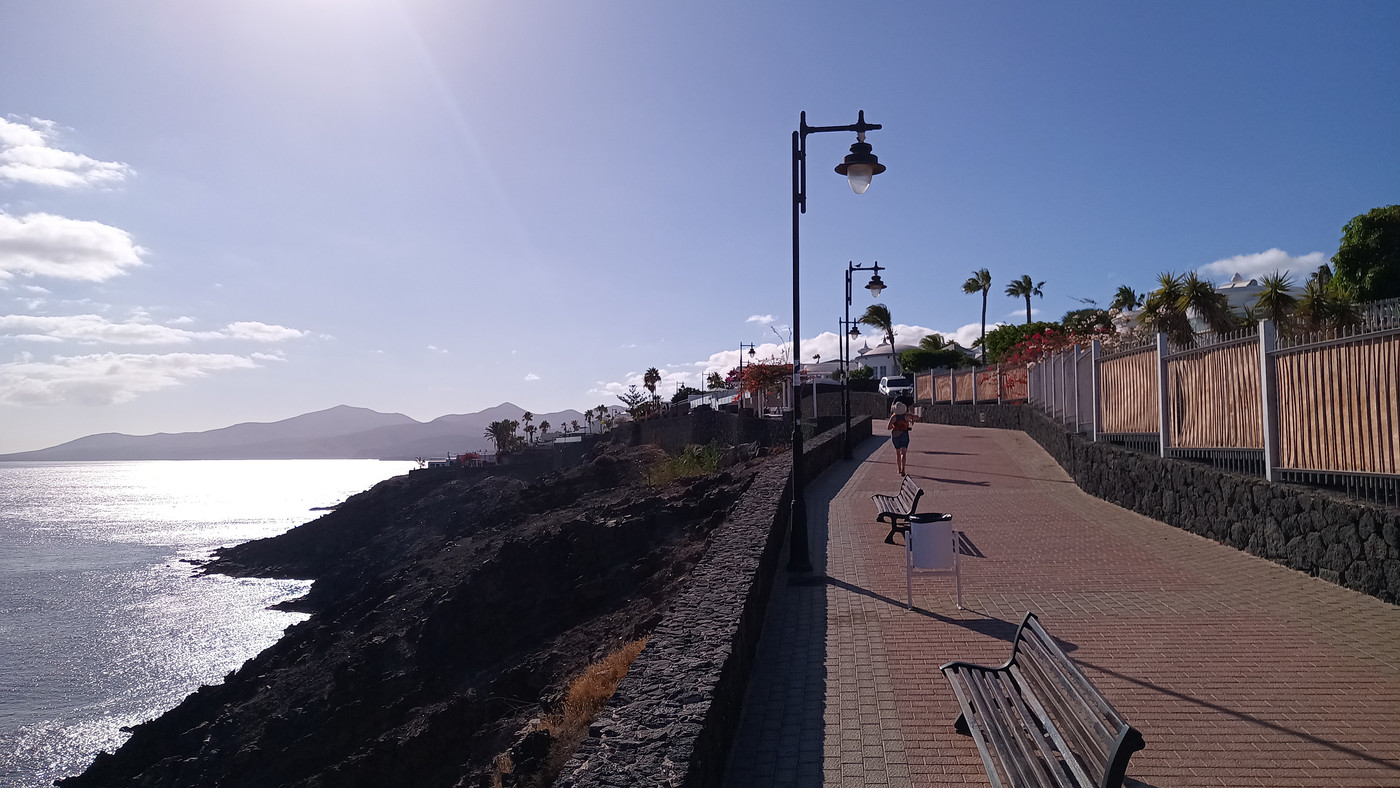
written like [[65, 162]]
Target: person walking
[[899, 434]]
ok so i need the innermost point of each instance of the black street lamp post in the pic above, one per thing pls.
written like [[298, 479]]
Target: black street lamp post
[[743, 345], [859, 166], [876, 286]]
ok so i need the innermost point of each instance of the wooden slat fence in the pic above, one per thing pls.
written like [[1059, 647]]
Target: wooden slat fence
[[1339, 406], [1015, 384], [923, 388], [964, 385], [988, 388], [1214, 398], [1128, 392], [943, 388]]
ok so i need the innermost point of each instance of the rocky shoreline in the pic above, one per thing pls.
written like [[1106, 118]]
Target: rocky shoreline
[[447, 613]]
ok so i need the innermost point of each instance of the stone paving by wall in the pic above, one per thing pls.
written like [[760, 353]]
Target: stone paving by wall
[[1352, 543]]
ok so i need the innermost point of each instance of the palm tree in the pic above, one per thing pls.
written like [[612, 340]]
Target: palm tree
[[934, 342], [1323, 305], [1126, 299], [1163, 310], [650, 378], [1275, 302], [544, 427], [878, 316], [502, 434], [1025, 288], [602, 417], [981, 280], [530, 432], [528, 417], [1211, 304], [573, 423], [588, 419]]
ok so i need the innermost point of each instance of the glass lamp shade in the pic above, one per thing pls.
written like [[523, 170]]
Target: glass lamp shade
[[876, 286], [860, 166], [859, 176], [855, 333]]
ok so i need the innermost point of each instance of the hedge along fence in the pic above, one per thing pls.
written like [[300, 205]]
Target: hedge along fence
[[674, 715]]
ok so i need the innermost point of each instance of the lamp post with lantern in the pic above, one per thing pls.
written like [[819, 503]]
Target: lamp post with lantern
[[876, 286], [859, 166]]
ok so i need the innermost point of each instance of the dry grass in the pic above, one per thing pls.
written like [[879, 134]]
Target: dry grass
[[586, 696], [589, 692]]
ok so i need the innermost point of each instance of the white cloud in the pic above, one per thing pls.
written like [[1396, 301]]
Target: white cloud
[[532, 376], [97, 329], [260, 332], [182, 320], [41, 244], [762, 320], [1251, 266], [26, 156], [436, 349], [106, 378]]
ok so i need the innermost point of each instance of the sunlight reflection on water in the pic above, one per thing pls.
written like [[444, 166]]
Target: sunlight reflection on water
[[103, 624]]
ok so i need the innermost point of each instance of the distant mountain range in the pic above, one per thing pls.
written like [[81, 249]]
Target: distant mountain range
[[341, 432]]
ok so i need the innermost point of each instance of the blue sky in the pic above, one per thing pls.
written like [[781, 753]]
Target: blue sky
[[242, 210]]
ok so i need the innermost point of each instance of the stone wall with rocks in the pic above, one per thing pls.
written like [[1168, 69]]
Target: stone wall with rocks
[[863, 403], [1348, 542], [673, 717], [674, 433]]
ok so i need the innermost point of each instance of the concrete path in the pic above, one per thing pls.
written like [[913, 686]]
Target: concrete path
[[1237, 671]]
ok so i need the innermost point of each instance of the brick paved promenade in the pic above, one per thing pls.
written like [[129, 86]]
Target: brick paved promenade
[[1237, 671]]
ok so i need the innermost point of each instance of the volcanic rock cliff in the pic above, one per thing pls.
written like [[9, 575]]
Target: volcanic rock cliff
[[446, 613]]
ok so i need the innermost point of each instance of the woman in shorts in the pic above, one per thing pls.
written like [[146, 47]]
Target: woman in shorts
[[899, 434]]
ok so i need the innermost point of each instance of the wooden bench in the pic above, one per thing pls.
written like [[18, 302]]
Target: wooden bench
[[898, 507], [1037, 720]]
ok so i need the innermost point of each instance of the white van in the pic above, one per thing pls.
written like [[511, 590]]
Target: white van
[[894, 386]]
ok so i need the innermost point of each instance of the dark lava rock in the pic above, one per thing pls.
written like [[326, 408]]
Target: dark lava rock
[[446, 614]]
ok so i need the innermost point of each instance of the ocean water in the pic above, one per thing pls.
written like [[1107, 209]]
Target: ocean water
[[103, 622]]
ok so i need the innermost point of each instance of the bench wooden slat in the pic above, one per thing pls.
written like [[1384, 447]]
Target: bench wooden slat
[[1075, 721], [1026, 728], [958, 678], [1072, 671], [1068, 754], [993, 725]]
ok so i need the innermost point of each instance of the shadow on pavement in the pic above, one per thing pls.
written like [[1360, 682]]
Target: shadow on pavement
[[1239, 715]]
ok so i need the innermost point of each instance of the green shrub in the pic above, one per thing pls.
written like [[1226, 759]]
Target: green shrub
[[694, 460]]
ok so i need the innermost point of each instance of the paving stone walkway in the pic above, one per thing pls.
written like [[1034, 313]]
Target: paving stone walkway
[[1237, 671]]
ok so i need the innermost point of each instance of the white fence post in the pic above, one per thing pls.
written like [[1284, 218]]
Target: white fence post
[[1095, 350], [1268, 397], [1075, 362], [1163, 396], [974, 384]]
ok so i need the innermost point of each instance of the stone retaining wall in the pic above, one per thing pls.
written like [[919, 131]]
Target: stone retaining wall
[[1352, 543], [674, 715], [674, 433]]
